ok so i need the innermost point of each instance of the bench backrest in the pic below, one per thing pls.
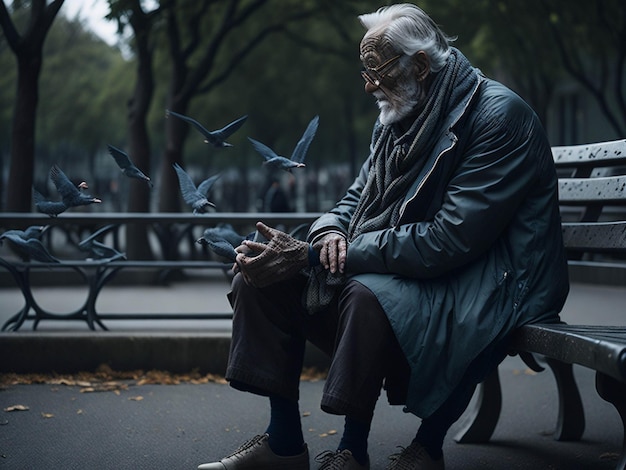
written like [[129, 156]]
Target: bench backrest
[[592, 195]]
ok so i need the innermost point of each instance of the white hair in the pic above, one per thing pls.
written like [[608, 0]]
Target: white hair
[[411, 30]]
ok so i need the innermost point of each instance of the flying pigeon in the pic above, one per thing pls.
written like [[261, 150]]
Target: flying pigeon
[[127, 166], [195, 197], [99, 250], [71, 195], [26, 244], [218, 137], [278, 162]]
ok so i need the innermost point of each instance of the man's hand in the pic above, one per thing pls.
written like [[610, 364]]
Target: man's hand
[[333, 250], [262, 264]]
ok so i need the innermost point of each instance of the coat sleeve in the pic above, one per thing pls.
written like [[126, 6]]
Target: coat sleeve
[[496, 173]]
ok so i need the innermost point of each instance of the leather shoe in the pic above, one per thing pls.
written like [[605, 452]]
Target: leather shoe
[[257, 455], [339, 460], [414, 457]]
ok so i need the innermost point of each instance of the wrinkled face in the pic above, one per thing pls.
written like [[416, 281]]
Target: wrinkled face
[[387, 77]]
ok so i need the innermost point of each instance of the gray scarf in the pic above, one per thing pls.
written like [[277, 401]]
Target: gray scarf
[[396, 163]]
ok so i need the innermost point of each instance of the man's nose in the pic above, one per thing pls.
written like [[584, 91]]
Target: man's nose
[[370, 87]]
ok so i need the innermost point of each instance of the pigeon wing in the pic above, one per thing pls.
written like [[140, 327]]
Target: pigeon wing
[[30, 249], [187, 187], [266, 152], [205, 186], [205, 132], [229, 129], [38, 197], [122, 160], [64, 185], [223, 248], [305, 141]]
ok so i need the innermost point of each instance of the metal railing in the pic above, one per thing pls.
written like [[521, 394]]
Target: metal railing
[[172, 234]]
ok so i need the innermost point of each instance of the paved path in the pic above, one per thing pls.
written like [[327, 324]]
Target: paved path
[[179, 426]]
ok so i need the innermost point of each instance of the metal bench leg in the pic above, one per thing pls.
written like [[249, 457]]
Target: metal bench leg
[[614, 392], [483, 415], [571, 420]]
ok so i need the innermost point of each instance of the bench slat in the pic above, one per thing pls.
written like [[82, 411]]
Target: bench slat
[[601, 348], [598, 237], [605, 190], [591, 155]]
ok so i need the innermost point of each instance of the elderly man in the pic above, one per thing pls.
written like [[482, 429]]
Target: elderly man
[[448, 239]]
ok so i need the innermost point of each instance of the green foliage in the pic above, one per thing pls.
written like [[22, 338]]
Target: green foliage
[[84, 87], [305, 64]]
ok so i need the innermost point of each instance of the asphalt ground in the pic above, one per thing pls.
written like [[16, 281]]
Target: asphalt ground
[[135, 424]]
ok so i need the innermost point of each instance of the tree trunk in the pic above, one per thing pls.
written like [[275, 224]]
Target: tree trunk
[[137, 242], [19, 188]]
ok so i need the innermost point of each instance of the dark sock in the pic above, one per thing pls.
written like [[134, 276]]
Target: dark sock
[[355, 434], [285, 429]]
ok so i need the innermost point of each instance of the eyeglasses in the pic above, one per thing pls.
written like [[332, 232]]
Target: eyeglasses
[[376, 75]]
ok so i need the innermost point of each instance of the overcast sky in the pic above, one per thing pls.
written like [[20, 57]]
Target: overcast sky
[[93, 12]]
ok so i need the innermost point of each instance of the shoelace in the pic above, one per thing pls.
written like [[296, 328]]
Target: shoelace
[[246, 446], [406, 458], [332, 460]]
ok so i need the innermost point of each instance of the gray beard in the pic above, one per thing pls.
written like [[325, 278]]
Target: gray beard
[[396, 106]]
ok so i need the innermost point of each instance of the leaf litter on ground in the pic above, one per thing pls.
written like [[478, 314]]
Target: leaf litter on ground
[[105, 379]]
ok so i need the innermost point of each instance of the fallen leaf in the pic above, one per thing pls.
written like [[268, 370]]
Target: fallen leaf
[[47, 415], [137, 398], [17, 408], [306, 413]]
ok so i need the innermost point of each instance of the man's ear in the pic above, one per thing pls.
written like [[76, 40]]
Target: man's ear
[[421, 63]]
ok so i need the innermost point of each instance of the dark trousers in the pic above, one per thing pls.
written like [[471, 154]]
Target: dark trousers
[[270, 329]]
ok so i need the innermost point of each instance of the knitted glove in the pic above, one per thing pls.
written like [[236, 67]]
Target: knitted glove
[[281, 258]]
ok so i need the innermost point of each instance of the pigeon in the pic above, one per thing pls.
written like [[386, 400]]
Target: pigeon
[[218, 137], [51, 208], [71, 195], [127, 166], [222, 240], [99, 250], [224, 232], [195, 197], [220, 247], [278, 162], [26, 244]]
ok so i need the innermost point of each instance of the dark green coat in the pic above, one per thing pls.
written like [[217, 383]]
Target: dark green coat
[[478, 248]]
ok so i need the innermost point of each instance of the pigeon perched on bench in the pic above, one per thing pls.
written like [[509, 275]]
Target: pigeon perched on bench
[[70, 194], [26, 244]]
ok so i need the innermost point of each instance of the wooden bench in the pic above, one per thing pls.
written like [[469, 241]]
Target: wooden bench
[[592, 195]]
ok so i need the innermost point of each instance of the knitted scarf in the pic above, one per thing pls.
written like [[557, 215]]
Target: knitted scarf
[[396, 163]]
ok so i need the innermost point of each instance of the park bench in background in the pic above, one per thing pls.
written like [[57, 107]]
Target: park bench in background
[[173, 237], [592, 195]]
